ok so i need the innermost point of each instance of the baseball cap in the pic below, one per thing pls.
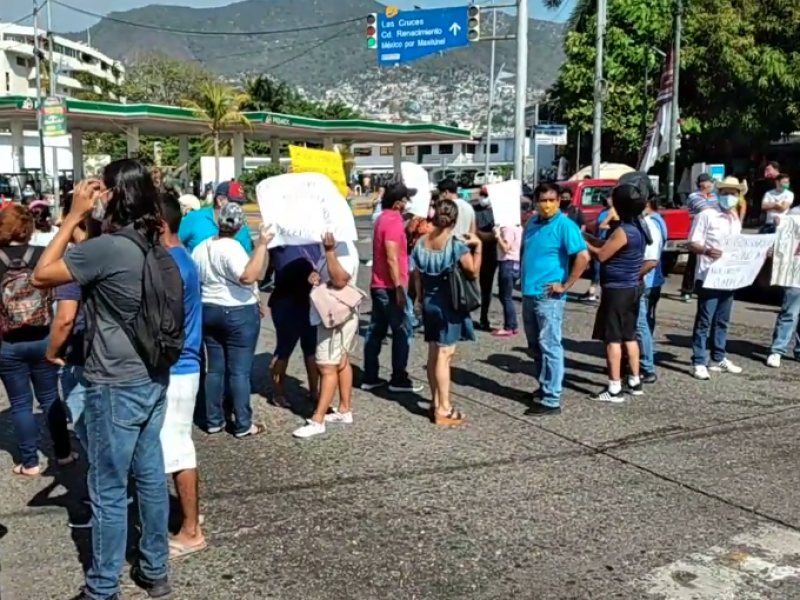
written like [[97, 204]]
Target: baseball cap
[[232, 190], [397, 192], [189, 201], [232, 215], [703, 177]]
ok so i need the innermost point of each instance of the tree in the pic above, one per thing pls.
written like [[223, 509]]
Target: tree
[[220, 106], [158, 79], [268, 95], [250, 179], [739, 73]]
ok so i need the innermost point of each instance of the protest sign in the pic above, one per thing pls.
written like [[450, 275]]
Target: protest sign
[[786, 257], [504, 198], [415, 176], [329, 163], [742, 258], [302, 207]]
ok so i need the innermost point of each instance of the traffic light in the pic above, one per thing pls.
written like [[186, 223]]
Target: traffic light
[[372, 30], [473, 23]]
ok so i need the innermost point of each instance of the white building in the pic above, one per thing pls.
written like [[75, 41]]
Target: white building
[[437, 158], [18, 63]]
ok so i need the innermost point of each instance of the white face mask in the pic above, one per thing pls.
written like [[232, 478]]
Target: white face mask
[[729, 201], [484, 202]]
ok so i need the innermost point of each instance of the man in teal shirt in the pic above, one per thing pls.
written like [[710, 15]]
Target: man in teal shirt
[[549, 241], [199, 225]]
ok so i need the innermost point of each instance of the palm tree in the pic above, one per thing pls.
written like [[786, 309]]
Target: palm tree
[[220, 106], [267, 94]]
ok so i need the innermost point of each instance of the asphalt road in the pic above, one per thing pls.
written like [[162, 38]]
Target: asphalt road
[[690, 492]]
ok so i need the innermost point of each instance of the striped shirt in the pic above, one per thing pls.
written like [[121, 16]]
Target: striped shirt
[[699, 201]]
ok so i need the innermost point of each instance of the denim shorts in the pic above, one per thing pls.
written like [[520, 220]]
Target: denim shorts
[[292, 325]]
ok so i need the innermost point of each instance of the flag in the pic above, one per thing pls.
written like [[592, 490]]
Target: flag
[[656, 142]]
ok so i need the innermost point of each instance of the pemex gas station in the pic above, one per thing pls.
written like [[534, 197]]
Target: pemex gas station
[[19, 114]]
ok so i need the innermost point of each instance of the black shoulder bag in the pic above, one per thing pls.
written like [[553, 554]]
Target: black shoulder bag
[[465, 294]]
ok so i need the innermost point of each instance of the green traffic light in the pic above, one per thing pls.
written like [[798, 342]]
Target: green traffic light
[[371, 43]]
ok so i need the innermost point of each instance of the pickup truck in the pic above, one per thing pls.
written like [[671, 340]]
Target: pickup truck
[[590, 196]]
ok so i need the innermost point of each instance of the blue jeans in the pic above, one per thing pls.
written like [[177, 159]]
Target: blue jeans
[[73, 392], [542, 317], [230, 335], [645, 327], [507, 275], [23, 364], [786, 325], [713, 315], [387, 315], [123, 434]]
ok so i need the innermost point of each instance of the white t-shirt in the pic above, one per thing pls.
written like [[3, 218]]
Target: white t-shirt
[[220, 263], [43, 238], [347, 255], [710, 229], [653, 251], [466, 218], [783, 197]]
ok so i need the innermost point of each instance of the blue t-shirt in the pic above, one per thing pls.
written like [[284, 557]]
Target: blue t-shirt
[[292, 266], [73, 349], [189, 361], [199, 225], [547, 247]]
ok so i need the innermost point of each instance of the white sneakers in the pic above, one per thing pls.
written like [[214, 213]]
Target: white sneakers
[[312, 428], [724, 366], [774, 360]]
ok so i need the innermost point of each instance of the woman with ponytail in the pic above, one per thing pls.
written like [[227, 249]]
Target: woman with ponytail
[[621, 258]]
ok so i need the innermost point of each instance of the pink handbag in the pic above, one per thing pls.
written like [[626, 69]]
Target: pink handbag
[[336, 306]]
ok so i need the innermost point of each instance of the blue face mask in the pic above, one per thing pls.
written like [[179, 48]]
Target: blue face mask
[[729, 201]]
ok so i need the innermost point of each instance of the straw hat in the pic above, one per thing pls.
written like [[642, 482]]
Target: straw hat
[[730, 183]]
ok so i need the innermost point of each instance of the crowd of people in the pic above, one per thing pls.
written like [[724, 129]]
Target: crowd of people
[[139, 308]]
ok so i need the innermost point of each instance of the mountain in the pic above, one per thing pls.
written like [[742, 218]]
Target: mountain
[[319, 61]]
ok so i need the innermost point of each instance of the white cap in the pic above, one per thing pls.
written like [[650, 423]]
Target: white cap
[[189, 201]]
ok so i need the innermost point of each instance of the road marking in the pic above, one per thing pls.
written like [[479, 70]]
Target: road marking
[[749, 567]]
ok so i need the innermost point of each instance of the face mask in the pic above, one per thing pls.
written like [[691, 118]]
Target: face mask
[[547, 209], [785, 186], [484, 202], [99, 210], [565, 204], [729, 201], [431, 213]]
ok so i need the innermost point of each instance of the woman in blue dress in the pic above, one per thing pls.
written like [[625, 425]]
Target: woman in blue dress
[[434, 257]]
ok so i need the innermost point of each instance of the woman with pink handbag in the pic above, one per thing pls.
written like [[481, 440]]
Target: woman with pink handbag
[[335, 301]]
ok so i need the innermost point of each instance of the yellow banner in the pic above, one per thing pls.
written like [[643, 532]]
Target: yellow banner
[[310, 160]]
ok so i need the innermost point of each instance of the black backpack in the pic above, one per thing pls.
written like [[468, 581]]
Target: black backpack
[[157, 330]]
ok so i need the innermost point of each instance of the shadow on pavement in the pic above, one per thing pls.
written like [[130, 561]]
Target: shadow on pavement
[[408, 400], [296, 391], [737, 347]]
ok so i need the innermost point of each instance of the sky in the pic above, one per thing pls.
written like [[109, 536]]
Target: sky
[[66, 20]]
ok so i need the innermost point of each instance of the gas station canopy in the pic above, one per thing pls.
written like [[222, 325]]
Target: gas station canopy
[[154, 119]]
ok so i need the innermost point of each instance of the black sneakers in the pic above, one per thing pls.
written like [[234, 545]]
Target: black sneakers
[[159, 588]]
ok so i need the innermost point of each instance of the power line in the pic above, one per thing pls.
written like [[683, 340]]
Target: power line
[[205, 33], [304, 44]]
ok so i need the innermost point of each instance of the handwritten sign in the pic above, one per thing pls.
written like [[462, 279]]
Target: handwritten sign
[[310, 160], [504, 198], [302, 207], [742, 258], [786, 257], [415, 176]]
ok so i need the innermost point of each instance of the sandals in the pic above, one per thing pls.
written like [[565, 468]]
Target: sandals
[[281, 402], [178, 550], [255, 429], [69, 460], [454, 418], [26, 471]]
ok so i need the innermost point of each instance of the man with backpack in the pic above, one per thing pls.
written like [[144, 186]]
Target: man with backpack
[[133, 295]]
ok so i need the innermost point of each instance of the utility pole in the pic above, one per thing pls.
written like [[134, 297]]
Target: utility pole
[[39, 102], [599, 88], [522, 88], [488, 140], [675, 113], [535, 143], [53, 94]]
